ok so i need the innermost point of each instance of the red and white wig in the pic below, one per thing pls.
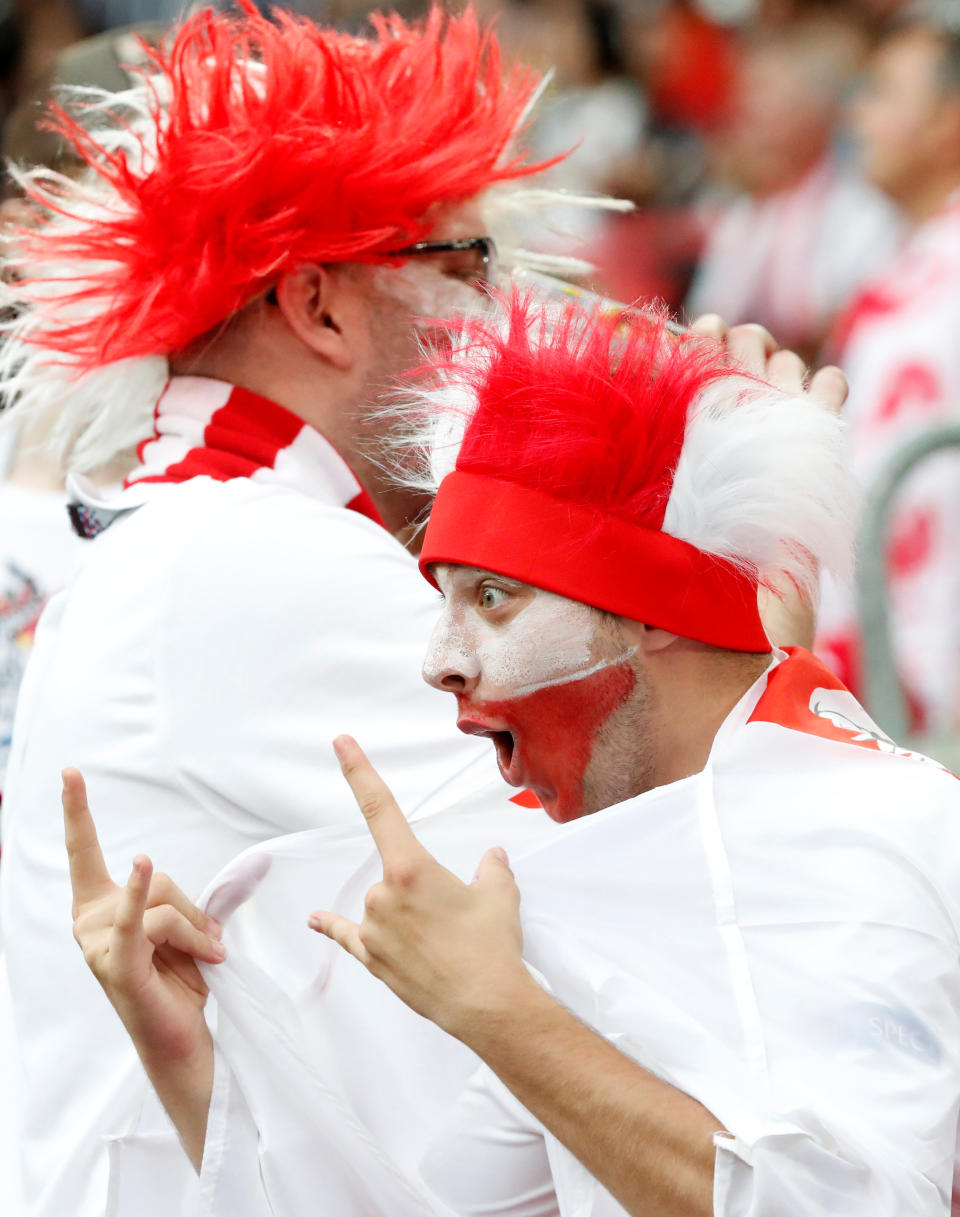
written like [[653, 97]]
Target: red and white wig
[[629, 469], [249, 146]]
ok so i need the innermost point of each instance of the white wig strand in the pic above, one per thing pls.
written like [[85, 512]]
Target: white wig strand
[[107, 410], [419, 428], [764, 480], [509, 208]]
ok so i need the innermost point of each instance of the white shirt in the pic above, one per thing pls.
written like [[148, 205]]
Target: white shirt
[[211, 646], [776, 936]]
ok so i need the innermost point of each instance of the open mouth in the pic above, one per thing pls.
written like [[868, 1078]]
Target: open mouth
[[505, 744]]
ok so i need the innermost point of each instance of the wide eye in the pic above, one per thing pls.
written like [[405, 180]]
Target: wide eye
[[492, 597]]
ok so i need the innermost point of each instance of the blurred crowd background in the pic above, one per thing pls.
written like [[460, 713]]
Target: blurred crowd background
[[791, 163]]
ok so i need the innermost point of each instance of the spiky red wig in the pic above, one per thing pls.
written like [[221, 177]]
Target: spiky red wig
[[261, 144], [630, 470]]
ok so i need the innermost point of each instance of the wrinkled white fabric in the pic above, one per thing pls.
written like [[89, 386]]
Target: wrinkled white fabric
[[776, 935]]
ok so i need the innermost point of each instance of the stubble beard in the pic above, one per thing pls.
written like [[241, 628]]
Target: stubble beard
[[623, 762], [399, 303]]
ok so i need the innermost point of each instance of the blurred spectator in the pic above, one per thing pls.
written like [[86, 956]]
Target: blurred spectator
[[38, 549], [99, 15], [899, 346], [689, 63], [32, 32], [793, 246], [592, 106]]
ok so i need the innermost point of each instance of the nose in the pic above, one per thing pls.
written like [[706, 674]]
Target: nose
[[450, 665]]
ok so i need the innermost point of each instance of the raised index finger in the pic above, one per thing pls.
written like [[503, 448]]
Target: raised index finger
[[88, 871], [392, 835]]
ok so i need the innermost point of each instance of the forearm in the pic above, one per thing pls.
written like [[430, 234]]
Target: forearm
[[184, 1087], [648, 1143]]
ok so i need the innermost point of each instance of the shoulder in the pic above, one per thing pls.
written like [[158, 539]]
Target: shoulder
[[233, 532], [811, 713], [218, 561]]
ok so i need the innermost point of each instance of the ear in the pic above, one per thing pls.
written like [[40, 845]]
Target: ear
[[652, 639], [647, 639], [314, 301]]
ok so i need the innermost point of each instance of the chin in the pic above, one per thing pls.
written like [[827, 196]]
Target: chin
[[562, 811]]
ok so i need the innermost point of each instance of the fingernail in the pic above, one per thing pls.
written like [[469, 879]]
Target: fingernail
[[501, 855], [218, 950], [214, 928], [315, 921]]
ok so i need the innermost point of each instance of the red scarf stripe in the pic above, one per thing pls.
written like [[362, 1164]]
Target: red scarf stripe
[[242, 436], [155, 434], [363, 504]]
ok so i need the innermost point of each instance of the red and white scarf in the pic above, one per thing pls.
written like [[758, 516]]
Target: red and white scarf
[[208, 428]]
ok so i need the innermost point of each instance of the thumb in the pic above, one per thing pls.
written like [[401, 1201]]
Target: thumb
[[494, 867]]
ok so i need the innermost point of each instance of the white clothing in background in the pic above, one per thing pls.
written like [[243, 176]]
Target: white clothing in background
[[38, 551], [776, 936], [793, 260], [900, 350], [213, 643]]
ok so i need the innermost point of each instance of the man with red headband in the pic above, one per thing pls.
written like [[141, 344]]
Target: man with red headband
[[232, 287], [749, 898]]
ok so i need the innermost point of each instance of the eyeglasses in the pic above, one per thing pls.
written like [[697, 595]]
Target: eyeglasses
[[479, 262]]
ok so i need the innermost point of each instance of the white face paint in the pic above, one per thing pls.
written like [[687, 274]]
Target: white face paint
[[512, 638], [428, 293]]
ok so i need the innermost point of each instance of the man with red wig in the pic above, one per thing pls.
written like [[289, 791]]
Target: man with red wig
[[750, 893], [231, 287]]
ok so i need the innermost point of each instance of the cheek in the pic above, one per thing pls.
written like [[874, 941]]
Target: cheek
[[557, 729], [426, 293], [550, 639]]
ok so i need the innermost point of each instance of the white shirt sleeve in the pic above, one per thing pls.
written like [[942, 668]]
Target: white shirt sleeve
[[799, 1176]]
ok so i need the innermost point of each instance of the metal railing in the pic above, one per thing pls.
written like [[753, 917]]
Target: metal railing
[[883, 695]]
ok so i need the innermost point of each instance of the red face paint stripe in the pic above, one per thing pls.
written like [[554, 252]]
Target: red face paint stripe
[[555, 730]]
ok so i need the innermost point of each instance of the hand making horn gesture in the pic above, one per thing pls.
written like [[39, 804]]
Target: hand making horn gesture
[[142, 942], [450, 950]]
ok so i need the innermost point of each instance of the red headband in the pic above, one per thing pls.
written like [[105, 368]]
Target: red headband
[[577, 552]]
